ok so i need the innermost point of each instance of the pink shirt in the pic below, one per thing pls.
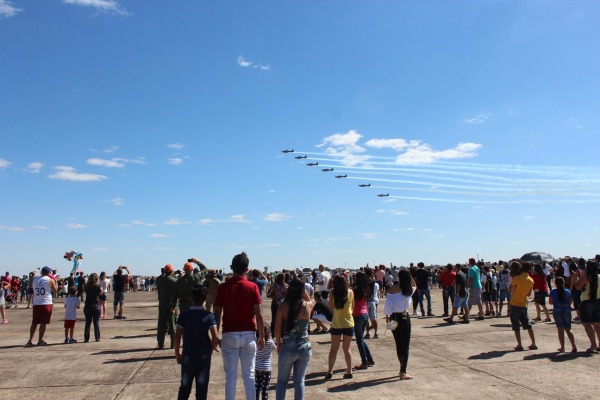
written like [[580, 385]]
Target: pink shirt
[[360, 307]]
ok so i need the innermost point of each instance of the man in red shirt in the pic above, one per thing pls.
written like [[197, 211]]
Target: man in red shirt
[[238, 302], [448, 278]]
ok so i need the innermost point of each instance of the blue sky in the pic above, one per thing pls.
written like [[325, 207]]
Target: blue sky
[[145, 133]]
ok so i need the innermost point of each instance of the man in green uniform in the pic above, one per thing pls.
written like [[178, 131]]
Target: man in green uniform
[[184, 286], [167, 303]]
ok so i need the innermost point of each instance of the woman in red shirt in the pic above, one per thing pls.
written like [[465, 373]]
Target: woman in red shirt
[[541, 290]]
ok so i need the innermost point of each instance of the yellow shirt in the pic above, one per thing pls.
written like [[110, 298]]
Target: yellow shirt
[[342, 318], [585, 295], [522, 285]]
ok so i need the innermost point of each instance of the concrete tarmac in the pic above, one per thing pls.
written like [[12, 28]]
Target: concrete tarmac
[[471, 361]]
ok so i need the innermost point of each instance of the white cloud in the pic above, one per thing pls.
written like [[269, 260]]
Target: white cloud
[[4, 163], [75, 226], [40, 227], [368, 235], [104, 6], [71, 174], [394, 144], [175, 161], [158, 236], [176, 146], [117, 201], [34, 167], [528, 217], [345, 147], [111, 149], [7, 10], [242, 62], [276, 217], [12, 228], [114, 163], [478, 119], [206, 221], [424, 154], [137, 222], [240, 218], [175, 221]]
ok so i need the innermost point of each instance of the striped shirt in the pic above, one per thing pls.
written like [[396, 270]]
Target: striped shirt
[[263, 356]]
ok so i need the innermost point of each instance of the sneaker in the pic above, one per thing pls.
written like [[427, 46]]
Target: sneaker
[[367, 336], [122, 317], [67, 341], [576, 319], [480, 318], [415, 313], [4, 321], [42, 343], [449, 320], [28, 344], [116, 317], [375, 336], [429, 314], [72, 340]]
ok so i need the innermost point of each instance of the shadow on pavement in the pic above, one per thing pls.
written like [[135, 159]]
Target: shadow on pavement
[[135, 336], [352, 386], [140, 359], [490, 354], [123, 351], [557, 357]]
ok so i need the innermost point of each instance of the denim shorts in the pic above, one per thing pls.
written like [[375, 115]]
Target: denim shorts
[[460, 302], [372, 310], [519, 317], [562, 317], [341, 331]]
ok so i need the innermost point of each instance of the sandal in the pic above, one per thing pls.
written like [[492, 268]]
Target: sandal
[[348, 376], [405, 377], [29, 344], [328, 377], [361, 366], [371, 363], [533, 347], [574, 350], [547, 320], [519, 348]]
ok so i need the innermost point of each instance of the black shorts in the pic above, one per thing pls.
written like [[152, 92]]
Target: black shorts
[[540, 298], [590, 311], [519, 317], [119, 298]]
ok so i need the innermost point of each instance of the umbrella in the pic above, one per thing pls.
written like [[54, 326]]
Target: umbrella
[[537, 256]]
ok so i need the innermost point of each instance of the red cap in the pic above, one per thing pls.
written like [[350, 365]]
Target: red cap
[[188, 267], [168, 268]]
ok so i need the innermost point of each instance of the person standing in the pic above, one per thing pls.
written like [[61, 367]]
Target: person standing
[[167, 304], [120, 285], [342, 326], [103, 282], [361, 318], [91, 308], [323, 282], [474, 285], [447, 280], [212, 286], [423, 276], [238, 306], [43, 290], [460, 298], [590, 304], [372, 302], [504, 279], [520, 288], [291, 338], [184, 286], [80, 285], [396, 307]]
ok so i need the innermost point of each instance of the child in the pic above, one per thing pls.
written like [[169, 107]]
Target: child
[[520, 289], [561, 299], [194, 324], [72, 303], [264, 366]]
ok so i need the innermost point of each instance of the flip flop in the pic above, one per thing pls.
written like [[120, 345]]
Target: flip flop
[[519, 348], [533, 347], [347, 376], [361, 366], [328, 377], [405, 377]]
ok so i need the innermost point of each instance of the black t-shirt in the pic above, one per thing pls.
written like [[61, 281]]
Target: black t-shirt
[[323, 309], [461, 279], [421, 277], [119, 282], [92, 295]]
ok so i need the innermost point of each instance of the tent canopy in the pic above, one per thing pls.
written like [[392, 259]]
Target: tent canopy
[[537, 256]]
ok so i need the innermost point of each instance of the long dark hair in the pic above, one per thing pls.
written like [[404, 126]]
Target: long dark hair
[[592, 276], [92, 281], [340, 292], [539, 270], [515, 269], [405, 282], [294, 297], [361, 286], [560, 288]]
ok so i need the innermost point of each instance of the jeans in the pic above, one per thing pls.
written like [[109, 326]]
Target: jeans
[[293, 354], [239, 346], [427, 294], [402, 339], [194, 368], [448, 293], [92, 313], [360, 323]]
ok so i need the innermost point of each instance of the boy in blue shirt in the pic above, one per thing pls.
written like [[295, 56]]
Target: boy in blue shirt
[[194, 324]]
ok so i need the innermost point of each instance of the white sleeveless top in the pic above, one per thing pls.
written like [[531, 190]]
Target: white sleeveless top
[[42, 292]]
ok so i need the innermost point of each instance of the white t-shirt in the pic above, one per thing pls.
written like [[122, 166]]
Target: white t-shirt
[[567, 271], [325, 277], [71, 305], [104, 284], [42, 292], [397, 302], [547, 269]]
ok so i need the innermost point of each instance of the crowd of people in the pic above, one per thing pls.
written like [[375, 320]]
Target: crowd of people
[[204, 311]]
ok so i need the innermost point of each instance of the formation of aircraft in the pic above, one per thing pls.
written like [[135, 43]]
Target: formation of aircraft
[[383, 195], [342, 176], [300, 157], [364, 185], [327, 169], [287, 151], [312, 164]]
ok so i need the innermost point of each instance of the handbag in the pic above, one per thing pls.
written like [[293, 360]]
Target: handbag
[[393, 325]]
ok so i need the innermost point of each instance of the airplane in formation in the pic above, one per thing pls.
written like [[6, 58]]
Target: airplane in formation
[[312, 164], [300, 157], [327, 169], [364, 185], [383, 195], [287, 151], [342, 176]]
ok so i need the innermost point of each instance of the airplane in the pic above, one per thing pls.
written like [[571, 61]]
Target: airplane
[[312, 164], [300, 157], [287, 151], [342, 176], [364, 185], [327, 169], [383, 195]]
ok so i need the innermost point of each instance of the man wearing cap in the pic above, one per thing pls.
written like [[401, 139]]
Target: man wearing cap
[[43, 290], [167, 303], [238, 302], [119, 285], [184, 286]]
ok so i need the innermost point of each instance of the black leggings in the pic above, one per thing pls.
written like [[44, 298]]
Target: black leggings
[[274, 307], [92, 314], [261, 382], [402, 339]]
